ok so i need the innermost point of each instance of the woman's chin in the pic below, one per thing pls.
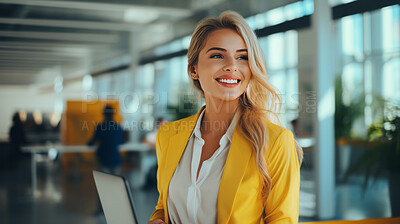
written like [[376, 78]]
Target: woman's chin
[[229, 97], [223, 96]]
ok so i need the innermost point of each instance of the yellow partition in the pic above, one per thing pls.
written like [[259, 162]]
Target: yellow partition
[[80, 119], [77, 127]]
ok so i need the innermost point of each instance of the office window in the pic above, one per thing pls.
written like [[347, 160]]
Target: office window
[[391, 53], [171, 81], [145, 79], [177, 71], [144, 93], [281, 54], [338, 2], [370, 46], [174, 46], [103, 86], [281, 14]]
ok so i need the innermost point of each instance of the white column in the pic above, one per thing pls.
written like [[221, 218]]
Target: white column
[[134, 116], [323, 73]]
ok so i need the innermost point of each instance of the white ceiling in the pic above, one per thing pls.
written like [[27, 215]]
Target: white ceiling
[[73, 37]]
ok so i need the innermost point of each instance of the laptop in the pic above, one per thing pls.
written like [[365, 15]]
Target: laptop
[[115, 197]]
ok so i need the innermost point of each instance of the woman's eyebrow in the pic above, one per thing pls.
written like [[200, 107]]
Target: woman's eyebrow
[[222, 49], [216, 49]]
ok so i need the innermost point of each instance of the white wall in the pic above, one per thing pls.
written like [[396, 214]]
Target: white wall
[[31, 98], [13, 98]]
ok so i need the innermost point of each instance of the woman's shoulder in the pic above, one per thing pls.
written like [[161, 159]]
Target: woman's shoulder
[[274, 131], [173, 127], [281, 145]]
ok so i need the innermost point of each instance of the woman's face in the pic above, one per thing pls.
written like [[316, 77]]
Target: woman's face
[[222, 67]]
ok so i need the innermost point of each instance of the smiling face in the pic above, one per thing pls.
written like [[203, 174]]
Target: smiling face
[[222, 68]]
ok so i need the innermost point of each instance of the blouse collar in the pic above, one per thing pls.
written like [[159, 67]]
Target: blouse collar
[[228, 134]]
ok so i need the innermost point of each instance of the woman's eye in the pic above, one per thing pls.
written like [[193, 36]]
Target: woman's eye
[[216, 56], [243, 57]]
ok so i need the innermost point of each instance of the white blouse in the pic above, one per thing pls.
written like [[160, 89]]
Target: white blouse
[[195, 201]]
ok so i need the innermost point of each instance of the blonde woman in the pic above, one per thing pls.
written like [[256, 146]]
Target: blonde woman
[[229, 163]]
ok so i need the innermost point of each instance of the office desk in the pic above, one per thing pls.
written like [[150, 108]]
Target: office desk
[[146, 158], [35, 150]]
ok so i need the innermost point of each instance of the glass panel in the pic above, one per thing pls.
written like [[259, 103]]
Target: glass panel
[[146, 75], [339, 2], [175, 45], [396, 26], [277, 79], [184, 70], [292, 93], [282, 58], [352, 78], [252, 22], [390, 28], [122, 82], [260, 21], [352, 35], [294, 10], [370, 82], [291, 48], [103, 86], [387, 29], [391, 80], [160, 50], [275, 51], [186, 41], [275, 16], [308, 7]]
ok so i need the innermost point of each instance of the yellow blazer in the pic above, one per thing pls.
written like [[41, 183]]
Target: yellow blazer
[[239, 198]]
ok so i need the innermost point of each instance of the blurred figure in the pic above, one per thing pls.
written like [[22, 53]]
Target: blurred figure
[[17, 136], [298, 131], [150, 138], [296, 128], [109, 135]]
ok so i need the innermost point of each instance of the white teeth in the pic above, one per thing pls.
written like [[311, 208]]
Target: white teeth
[[228, 80]]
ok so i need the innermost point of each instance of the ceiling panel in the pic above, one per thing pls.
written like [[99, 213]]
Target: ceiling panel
[[75, 36], [36, 35]]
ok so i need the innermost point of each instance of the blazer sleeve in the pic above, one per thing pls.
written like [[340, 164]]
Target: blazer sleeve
[[159, 212], [283, 201]]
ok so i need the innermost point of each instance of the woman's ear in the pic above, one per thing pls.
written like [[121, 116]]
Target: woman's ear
[[193, 72]]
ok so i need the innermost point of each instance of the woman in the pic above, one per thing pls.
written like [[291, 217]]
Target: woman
[[228, 163]]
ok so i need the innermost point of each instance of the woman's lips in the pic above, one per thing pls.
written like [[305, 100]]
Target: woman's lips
[[228, 82]]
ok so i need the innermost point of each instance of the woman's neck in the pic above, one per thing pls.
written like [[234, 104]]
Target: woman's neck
[[218, 115]]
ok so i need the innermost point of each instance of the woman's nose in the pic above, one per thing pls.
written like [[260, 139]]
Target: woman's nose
[[230, 65]]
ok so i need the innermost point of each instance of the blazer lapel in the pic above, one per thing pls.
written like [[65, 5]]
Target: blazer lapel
[[235, 166], [176, 147]]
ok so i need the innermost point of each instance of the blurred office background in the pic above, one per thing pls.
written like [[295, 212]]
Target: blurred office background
[[336, 63]]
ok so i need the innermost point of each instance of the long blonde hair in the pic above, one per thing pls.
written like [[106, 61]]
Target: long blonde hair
[[260, 102]]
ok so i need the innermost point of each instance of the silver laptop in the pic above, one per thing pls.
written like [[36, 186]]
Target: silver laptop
[[115, 197]]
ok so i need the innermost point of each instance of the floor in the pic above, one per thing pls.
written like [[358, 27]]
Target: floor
[[352, 202], [67, 198]]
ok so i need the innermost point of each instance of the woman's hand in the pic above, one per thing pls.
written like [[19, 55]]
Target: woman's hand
[[156, 221]]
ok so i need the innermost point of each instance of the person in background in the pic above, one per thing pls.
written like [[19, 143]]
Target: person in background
[[298, 131], [296, 128], [17, 136], [150, 138], [109, 135]]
